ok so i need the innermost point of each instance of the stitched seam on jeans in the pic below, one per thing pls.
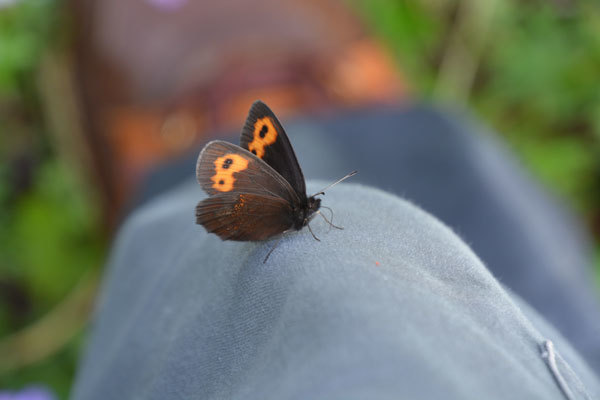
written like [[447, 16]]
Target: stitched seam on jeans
[[576, 383], [549, 355]]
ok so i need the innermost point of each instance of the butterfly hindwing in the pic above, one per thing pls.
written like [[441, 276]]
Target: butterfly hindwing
[[224, 168], [244, 216], [264, 136]]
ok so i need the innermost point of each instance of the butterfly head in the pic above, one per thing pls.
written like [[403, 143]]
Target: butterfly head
[[313, 205], [304, 213]]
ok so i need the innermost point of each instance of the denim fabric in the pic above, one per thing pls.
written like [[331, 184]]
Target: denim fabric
[[394, 306], [459, 172]]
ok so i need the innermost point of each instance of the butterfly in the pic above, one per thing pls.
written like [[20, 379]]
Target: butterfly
[[257, 189]]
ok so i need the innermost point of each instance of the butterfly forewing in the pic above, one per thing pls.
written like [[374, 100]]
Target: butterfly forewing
[[264, 136], [226, 168]]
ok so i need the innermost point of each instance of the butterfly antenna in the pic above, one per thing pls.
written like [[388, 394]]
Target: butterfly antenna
[[335, 183]]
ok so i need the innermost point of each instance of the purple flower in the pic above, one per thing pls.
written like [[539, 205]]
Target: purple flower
[[168, 5], [30, 393]]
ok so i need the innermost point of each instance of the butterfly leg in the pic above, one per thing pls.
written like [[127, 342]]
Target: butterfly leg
[[312, 233], [326, 220], [275, 245]]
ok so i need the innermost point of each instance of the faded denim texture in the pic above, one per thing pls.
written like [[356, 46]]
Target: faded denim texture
[[394, 306]]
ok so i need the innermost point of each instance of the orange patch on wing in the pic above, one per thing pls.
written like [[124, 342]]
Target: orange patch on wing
[[240, 205], [264, 135], [225, 167]]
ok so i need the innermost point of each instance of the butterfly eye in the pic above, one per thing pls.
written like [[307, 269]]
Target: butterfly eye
[[225, 167], [227, 163], [264, 135], [263, 131]]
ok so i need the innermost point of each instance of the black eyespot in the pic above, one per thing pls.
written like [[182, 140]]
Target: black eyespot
[[254, 152], [263, 131], [221, 182], [227, 163]]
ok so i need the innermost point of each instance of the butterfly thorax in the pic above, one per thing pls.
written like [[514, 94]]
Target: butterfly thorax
[[304, 212]]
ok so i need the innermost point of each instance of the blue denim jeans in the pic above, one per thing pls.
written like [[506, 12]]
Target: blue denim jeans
[[474, 287]]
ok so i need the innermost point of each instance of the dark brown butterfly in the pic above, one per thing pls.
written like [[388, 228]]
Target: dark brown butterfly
[[256, 190]]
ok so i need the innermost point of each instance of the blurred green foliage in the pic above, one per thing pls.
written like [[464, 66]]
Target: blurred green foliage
[[46, 245], [55, 372], [50, 234], [548, 102], [536, 82], [25, 30]]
